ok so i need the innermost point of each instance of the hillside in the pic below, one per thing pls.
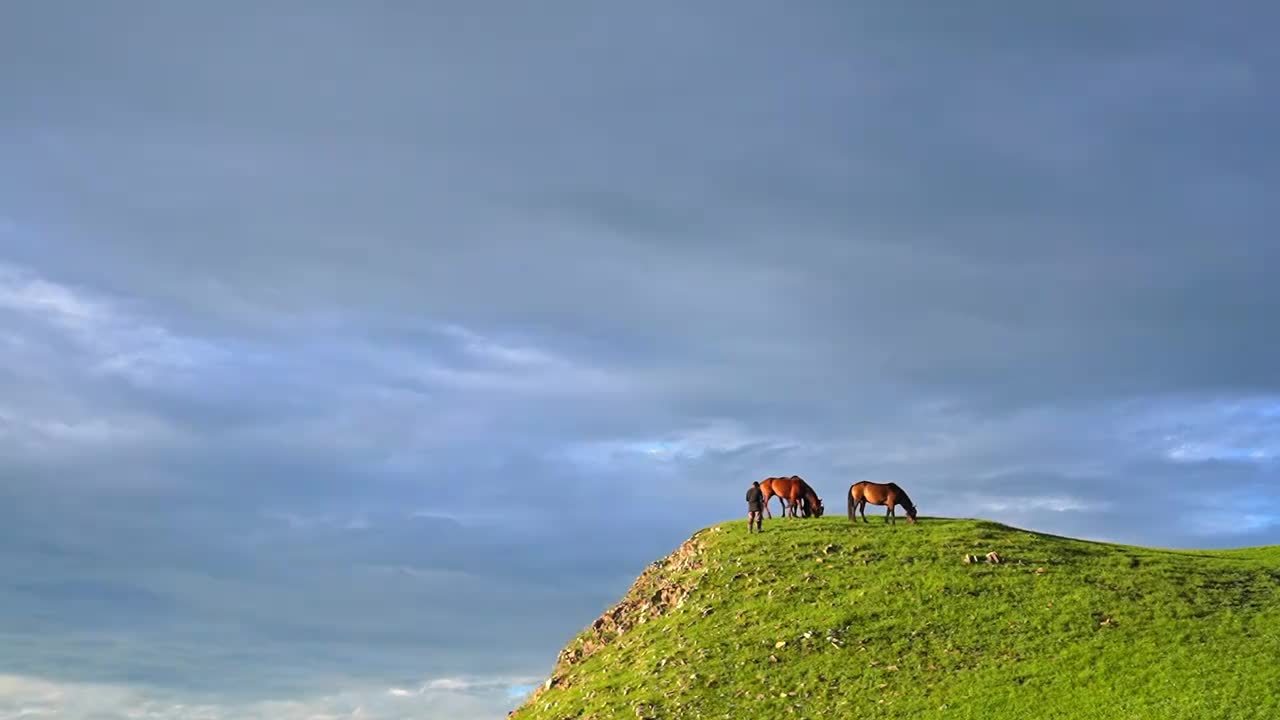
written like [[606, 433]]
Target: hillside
[[817, 619]]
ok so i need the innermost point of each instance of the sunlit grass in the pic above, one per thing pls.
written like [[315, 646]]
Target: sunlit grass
[[888, 622]]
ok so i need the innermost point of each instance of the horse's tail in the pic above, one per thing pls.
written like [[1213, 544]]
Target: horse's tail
[[848, 495]]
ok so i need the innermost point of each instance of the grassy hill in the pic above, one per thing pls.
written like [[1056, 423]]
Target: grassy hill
[[819, 619]]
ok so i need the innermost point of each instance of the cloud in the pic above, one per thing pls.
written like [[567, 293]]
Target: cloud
[[444, 698], [1240, 428], [116, 342], [718, 436], [465, 685], [318, 367], [23, 292]]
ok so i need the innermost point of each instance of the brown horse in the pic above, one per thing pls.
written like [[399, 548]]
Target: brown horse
[[792, 492], [888, 494]]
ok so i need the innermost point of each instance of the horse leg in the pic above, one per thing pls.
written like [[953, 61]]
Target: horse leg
[[862, 507], [767, 513]]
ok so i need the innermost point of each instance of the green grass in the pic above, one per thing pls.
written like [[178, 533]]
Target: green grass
[[1063, 628]]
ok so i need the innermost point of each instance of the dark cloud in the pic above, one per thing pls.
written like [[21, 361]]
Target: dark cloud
[[345, 348]]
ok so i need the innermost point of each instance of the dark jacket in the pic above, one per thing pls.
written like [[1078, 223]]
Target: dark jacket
[[755, 499]]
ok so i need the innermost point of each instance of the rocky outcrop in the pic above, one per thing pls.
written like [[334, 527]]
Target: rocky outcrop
[[662, 587]]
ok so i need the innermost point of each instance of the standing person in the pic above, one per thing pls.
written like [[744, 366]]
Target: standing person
[[755, 508]]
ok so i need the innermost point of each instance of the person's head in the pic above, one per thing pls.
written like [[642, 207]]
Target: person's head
[[756, 483]]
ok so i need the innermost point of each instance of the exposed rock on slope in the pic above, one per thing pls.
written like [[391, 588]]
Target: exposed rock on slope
[[664, 585]]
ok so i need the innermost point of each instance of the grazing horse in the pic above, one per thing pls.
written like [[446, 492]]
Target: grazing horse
[[792, 492], [888, 494]]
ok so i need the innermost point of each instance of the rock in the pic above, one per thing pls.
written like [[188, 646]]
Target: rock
[[780, 644], [970, 559], [994, 557]]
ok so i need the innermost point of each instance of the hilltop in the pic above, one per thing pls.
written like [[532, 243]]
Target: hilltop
[[818, 619]]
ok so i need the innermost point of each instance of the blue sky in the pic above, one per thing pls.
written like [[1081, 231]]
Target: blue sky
[[354, 358]]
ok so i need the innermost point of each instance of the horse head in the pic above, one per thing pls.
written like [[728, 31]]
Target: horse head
[[911, 514], [814, 505]]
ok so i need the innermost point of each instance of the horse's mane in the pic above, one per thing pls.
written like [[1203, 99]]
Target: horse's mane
[[904, 498], [808, 489]]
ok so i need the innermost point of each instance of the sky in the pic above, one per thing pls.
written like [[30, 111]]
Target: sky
[[354, 356]]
